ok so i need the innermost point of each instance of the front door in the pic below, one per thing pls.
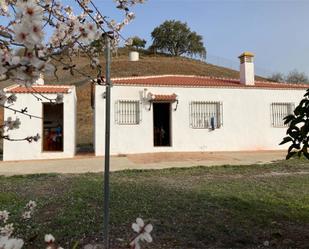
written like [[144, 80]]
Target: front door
[[52, 127], [162, 124]]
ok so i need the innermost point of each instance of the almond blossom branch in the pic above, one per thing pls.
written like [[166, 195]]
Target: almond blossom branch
[[29, 139], [49, 15], [72, 67], [58, 99], [88, 13], [23, 111], [143, 233], [110, 24]]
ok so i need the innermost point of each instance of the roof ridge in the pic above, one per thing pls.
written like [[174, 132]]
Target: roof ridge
[[205, 77], [40, 88], [283, 83], [8, 88], [61, 86], [172, 75], [200, 81]]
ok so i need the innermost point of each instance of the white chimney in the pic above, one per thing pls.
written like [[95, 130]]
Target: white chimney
[[246, 68]]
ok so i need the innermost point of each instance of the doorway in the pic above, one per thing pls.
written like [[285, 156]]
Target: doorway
[[162, 124], [52, 127]]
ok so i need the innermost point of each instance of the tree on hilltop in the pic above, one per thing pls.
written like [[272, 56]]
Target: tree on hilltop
[[176, 38], [138, 43]]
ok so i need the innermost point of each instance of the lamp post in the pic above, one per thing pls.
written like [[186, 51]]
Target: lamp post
[[107, 141]]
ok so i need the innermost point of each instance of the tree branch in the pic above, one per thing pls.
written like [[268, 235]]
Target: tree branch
[[22, 111]]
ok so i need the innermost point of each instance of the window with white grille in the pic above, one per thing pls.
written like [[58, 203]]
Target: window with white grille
[[279, 111], [205, 115], [127, 112]]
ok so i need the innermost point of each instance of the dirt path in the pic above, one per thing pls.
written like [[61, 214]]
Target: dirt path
[[88, 163]]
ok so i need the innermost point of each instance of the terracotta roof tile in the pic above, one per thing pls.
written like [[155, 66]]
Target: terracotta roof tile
[[164, 98], [201, 81], [39, 89]]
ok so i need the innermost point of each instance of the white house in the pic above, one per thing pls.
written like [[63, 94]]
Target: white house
[[55, 123], [177, 113]]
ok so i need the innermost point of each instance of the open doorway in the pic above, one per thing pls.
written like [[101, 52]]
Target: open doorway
[[52, 127], [162, 124]]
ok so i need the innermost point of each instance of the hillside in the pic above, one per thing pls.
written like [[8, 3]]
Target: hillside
[[121, 67], [147, 65]]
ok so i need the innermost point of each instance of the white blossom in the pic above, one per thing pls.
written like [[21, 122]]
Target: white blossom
[[27, 20], [10, 243], [4, 59], [31, 205], [4, 216], [3, 70], [11, 124], [129, 42], [7, 230], [29, 209], [143, 233], [11, 99], [28, 31], [95, 61], [138, 225], [15, 60], [21, 35], [36, 138], [26, 215], [3, 97], [59, 98], [48, 238], [68, 10], [3, 7]]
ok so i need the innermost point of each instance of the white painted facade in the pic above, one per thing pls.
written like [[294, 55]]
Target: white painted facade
[[246, 69], [23, 150], [247, 124], [134, 56]]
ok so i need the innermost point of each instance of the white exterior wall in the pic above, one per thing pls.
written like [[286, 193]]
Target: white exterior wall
[[23, 150], [246, 120], [134, 56], [247, 73]]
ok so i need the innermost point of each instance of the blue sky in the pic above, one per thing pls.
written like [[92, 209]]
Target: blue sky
[[276, 31]]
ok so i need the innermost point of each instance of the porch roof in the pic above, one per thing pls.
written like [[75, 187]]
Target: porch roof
[[164, 97], [39, 89]]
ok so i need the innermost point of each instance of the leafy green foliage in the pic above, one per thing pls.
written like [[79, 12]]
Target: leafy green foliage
[[138, 43], [298, 131], [177, 39]]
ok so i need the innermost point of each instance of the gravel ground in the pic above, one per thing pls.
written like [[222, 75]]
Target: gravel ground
[[89, 163]]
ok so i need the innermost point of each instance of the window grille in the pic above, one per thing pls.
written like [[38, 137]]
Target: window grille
[[206, 115], [127, 112], [279, 111]]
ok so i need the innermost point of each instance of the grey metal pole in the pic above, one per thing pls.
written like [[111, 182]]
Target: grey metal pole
[[107, 142]]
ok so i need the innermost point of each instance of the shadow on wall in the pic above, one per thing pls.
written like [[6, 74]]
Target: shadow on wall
[[84, 148]]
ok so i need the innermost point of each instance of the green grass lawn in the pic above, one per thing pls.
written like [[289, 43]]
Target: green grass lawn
[[202, 207]]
